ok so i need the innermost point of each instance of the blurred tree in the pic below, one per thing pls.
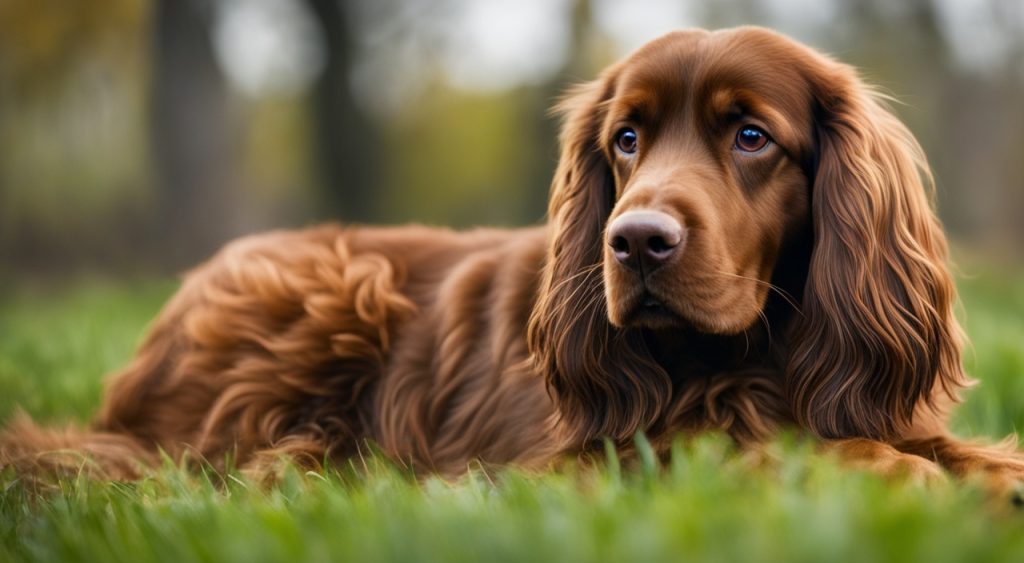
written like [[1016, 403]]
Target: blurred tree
[[347, 142], [585, 57], [115, 120], [193, 150], [70, 91]]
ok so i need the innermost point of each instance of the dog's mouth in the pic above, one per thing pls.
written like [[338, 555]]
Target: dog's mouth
[[650, 311]]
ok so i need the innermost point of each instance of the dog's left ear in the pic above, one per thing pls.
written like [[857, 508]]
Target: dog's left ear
[[878, 331]]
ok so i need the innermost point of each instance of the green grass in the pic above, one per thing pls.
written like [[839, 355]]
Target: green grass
[[56, 345], [707, 504]]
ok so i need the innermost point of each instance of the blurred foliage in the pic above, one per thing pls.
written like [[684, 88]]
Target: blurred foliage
[[452, 153], [45, 41], [72, 139], [140, 134]]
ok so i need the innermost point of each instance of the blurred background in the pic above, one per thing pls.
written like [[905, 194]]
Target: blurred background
[[136, 136]]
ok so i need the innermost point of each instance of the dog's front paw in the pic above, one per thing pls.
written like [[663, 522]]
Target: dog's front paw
[[885, 460], [1004, 481]]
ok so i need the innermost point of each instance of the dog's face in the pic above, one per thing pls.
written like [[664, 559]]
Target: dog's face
[[697, 172], [706, 135]]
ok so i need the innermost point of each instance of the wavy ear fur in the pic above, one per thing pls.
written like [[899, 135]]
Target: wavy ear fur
[[878, 332], [603, 378]]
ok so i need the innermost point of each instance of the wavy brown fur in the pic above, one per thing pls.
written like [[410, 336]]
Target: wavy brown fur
[[811, 292]]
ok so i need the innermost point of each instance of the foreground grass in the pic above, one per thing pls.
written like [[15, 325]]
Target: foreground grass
[[707, 503]]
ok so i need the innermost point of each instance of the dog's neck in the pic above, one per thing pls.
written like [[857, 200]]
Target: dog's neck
[[686, 353]]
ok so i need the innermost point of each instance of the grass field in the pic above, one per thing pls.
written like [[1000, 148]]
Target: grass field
[[706, 504]]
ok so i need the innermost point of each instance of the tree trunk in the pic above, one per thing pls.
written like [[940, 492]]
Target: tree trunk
[[192, 152], [345, 140]]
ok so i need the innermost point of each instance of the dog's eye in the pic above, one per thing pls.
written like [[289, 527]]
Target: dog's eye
[[751, 139], [625, 140]]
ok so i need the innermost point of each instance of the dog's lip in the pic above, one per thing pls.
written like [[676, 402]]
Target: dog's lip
[[648, 301], [650, 309]]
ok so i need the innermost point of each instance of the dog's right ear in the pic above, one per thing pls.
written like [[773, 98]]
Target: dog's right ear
[[605, 382]]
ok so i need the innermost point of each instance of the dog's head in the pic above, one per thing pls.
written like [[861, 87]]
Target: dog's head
[[708, 170]]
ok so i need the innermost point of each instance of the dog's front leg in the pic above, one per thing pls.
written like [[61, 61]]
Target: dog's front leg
[[884, 459], [999, 468]]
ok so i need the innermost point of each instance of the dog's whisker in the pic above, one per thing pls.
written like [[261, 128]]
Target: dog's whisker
[[786, 296]]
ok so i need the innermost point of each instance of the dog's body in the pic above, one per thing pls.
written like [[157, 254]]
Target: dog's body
[[412, 338], [739, 240]]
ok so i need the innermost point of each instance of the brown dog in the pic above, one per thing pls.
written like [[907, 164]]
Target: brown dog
[[740, 239]]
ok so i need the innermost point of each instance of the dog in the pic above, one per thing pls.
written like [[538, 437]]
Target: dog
[[740, 239]]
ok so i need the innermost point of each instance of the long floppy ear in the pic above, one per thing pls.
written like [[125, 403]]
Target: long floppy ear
[[878, 332], [603, 378]]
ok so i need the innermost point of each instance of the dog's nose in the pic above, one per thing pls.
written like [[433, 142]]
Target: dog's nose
[[644, 240]]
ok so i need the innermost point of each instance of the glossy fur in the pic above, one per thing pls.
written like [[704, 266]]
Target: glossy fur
[[810, 291]]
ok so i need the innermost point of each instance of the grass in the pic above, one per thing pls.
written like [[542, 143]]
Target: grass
[[706, 504]]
